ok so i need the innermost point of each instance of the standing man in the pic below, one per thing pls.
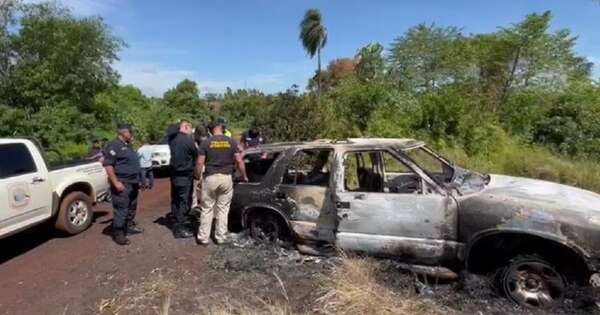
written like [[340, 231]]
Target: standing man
[[217, 156], [95, 152], [123, 169], [252, 138], [223, 121], [200, 134], [147, 174], [183, 160]]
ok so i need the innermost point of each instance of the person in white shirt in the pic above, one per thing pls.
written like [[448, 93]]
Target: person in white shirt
[[147, 175]]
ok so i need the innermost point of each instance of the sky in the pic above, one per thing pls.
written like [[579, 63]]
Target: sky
[[254, 43]]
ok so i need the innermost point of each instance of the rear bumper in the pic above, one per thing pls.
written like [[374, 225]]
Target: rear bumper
[[160, 163]]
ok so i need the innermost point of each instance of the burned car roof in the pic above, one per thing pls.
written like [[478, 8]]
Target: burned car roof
[[402, 144]]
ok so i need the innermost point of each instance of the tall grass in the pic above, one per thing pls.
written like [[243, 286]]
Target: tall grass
[[353, 289], [513, 158]]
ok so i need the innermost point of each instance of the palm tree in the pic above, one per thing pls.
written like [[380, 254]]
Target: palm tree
[[314, 37]]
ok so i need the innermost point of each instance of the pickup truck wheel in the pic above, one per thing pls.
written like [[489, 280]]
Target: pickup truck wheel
[[532, 282], [75, 213], [267, 227]]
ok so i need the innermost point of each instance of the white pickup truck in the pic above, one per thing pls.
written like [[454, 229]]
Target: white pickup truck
[[32, 192]]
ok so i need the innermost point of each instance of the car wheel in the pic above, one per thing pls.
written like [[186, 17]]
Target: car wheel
[[266, 227], [532, 282], [75, 213]]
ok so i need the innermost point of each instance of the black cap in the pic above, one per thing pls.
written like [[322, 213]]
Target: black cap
[[123, 126], [213, 124]]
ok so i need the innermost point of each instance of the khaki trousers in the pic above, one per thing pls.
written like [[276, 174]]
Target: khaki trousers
[[217, 191], [195, 190]]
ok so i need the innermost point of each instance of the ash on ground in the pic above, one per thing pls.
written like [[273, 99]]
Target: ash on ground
[[471, 294], [246, 254]]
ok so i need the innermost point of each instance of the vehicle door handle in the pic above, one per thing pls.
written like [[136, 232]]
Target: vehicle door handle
[[38, 180]]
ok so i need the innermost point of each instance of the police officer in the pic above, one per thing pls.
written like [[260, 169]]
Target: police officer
[[123, 169], [252, 138], [223, 122], [217, 156], [183, 159]]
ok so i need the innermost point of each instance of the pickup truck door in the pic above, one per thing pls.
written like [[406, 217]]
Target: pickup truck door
[[25, 193], [411, 222]]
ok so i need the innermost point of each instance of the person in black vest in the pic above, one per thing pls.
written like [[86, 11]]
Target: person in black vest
[[218, 157], [252, 138], [183, 161], [123, 169]]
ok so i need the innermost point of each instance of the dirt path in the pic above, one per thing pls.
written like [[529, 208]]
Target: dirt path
[[44, 274]]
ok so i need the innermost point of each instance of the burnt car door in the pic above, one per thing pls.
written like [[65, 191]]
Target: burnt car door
[[305, 186], [387, 206]]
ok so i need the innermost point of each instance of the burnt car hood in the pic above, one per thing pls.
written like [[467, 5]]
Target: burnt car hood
[[544, 194]]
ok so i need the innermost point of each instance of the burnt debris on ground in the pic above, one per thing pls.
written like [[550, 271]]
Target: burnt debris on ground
[[470, 294]]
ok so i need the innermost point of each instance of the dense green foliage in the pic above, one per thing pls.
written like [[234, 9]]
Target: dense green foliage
[[57, 82], [517, 101]]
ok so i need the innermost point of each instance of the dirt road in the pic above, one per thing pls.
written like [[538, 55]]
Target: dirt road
[[42, 273]]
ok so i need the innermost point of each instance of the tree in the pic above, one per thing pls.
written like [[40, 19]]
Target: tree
[[336, 71], [57, 58], [243, 106], [369, 62], [185, 98], [539, 57], [292, 117], [313, 35], [7, 19], [428, 56]]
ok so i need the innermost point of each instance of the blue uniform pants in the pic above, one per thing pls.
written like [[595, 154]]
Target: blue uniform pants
[[181, 197], [125, 205]]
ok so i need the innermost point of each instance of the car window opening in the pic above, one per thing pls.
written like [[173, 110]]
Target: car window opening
[[309, 167], [379, 171], [258, 164]]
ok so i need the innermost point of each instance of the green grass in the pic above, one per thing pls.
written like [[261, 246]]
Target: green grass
[[515, 159]]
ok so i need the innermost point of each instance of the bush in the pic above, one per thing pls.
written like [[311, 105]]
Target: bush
[[572, 125], [292, 117]]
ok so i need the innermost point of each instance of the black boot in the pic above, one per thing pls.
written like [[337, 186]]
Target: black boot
[[133, 228], [180, 231], [119, 237]]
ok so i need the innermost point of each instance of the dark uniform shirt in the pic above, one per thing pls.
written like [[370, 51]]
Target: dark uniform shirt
[[124, 159], [219, 151], [253, 140], [183, 154]]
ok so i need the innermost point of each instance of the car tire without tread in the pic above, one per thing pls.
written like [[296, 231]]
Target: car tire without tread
[[267, 227], [532, 282], [74, 213]]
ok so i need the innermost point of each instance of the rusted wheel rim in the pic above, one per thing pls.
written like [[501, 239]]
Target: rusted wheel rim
[[78, 213], [534, 284], [265, 229]]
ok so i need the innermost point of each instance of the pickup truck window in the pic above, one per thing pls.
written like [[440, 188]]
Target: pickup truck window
[[16, 160]]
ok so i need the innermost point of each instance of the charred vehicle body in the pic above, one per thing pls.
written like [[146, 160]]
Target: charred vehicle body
[[397, 198]]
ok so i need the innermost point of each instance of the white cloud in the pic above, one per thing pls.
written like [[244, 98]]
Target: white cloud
[[155, 79], [152, 79]]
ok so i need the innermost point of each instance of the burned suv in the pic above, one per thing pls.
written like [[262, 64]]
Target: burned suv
[[397, 198]]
